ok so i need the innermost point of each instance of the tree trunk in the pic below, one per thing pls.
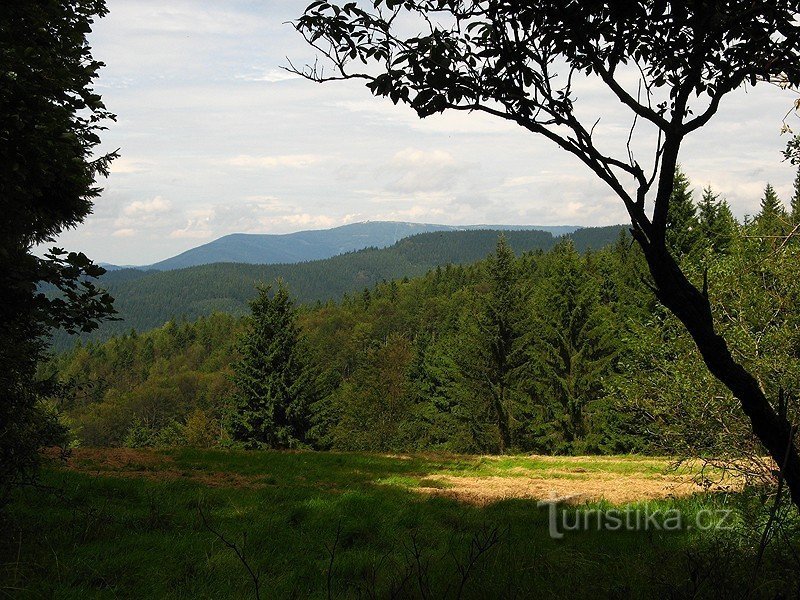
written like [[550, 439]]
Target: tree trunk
[[692, 308]]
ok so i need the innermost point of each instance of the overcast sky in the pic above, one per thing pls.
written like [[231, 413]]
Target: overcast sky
[[215, 138]]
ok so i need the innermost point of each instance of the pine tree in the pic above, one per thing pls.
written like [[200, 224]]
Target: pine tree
[[682, 225], [275, 388]]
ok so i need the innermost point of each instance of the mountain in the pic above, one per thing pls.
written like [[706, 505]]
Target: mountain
[[304, 246], [148, 298]]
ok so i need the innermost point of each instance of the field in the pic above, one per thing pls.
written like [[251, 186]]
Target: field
[[208, 524]]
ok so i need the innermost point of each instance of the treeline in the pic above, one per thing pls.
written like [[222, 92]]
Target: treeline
[[148, 299], [555, 351]]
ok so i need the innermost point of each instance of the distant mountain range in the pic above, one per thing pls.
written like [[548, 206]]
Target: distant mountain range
[[148, 298], [303, 246]]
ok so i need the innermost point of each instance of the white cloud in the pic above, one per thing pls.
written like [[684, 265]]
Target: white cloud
[[281, 156], [413, 170], [299, 221], [147, 207], [293, 161], [269, 76], [413, 157], [182, 17], [125, 165], [189, 233]]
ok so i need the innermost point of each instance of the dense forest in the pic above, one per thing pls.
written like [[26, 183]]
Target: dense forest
[[552, 351], [148, 299]]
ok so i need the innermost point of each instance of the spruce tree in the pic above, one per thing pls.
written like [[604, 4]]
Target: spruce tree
[[274, 385], [574, 347], [772, 218], [682, 225], [716, 221], [494, 355]]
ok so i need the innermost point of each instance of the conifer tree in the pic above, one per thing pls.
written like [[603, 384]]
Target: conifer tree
[[716, 221], [438, 416], [771, 219], [573, 348], [682, 225], [495, 357], [274, 384]]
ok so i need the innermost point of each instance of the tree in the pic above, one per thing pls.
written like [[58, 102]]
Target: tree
[[50, 118], [445, 414], [572, 345], [682, 224], [274, 384], [771, 219], [494, 356], [521, 61], [716, 221], [372, 406]]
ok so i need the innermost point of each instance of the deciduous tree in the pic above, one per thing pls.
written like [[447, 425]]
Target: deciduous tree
[[522, 61], [50, 119]]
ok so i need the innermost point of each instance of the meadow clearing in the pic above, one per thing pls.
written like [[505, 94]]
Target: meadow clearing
[[214, 524]]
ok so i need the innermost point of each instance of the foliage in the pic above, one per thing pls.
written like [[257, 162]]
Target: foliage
[[148, 299], [772, 220], [682, 223], [522, 62], [493, 354], [274, 387], [584, 358], [50, 119]]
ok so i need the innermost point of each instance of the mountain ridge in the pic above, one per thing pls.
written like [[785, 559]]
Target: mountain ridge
[[314, 244]]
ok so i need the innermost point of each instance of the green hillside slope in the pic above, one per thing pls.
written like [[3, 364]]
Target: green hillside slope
[[147, 299]]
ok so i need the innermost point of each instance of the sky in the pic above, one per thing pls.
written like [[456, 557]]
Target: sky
[[215, 138]]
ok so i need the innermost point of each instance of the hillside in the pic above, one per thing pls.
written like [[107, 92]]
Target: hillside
[[304, 246], [147, 299]]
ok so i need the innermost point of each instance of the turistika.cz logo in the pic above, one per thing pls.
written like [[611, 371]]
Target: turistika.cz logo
[[636, 518]]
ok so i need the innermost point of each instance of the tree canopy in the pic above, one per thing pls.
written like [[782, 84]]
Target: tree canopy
[[50, 119], [520, 62]]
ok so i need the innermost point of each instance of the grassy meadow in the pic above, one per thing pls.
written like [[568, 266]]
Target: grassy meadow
[[133, 523]]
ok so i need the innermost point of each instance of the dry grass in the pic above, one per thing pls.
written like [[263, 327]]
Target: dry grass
[[615, 488], [148, 464], [477, 480], [577, 479]]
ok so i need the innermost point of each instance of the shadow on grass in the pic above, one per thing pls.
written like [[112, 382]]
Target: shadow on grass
[[322, 527]]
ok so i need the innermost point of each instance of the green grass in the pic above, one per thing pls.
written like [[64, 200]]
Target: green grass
[[90, 536]]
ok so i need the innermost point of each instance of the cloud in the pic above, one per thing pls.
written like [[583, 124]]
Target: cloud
[[189, 233], [124, 165], [269, 76], [381, 110], [147, 207], [302, 221], [182, 17], [415, 170], [269, 155], [198, 224], [293, 161]]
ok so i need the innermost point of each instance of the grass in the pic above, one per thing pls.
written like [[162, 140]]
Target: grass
[[351, 525]]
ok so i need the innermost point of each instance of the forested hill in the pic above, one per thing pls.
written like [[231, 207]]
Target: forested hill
[[304, 246], [148, 299]]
